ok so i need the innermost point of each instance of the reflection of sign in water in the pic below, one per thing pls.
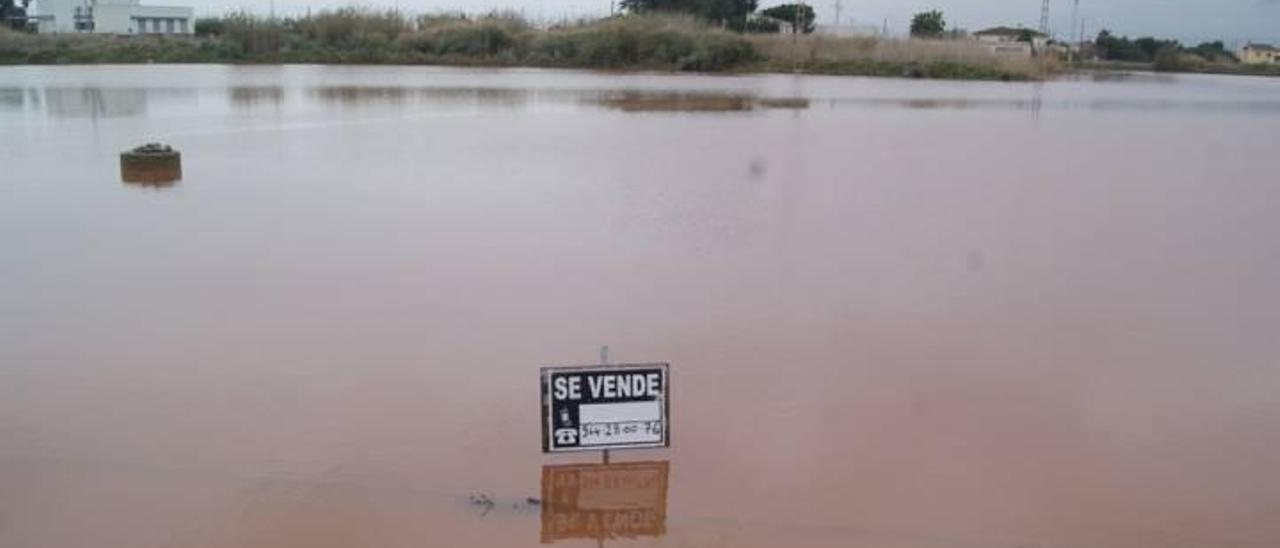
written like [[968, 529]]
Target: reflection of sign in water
[[604, 501], [605, 407]]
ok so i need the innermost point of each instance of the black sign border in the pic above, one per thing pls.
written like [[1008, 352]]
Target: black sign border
[[545, 397]]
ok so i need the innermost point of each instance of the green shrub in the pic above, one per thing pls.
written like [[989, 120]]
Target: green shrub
[[659, 42], [1169, 59], [417, 42], [209, 26], [719, 52], [351, 27], [253, 35], [479, 40], [433, 20]]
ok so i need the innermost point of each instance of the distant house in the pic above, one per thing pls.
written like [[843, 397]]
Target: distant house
[[764, 21], [112, 17], [1009, 34], [1012, 41], [1259, 54], [847, 31]]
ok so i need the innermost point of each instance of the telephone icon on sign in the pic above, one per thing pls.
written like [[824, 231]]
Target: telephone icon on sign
[[566, 436]]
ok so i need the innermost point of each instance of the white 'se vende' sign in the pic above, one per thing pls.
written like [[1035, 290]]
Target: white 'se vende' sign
[[605, 407]]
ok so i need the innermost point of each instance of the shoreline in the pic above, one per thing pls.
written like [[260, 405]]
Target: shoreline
[[631, 43], [904, 71], [1220, 69], [624, 44]]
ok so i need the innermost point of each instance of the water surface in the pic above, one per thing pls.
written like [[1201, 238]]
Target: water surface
[[898, 313]]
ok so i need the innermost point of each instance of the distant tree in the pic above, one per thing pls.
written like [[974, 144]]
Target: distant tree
[[1120, 48], [13, 13], [1148, 46], [1141, 50], [639, 6], [928, 24], [1215, 52], [731, 13], [792, 13], [209, 26], [1169, 58]]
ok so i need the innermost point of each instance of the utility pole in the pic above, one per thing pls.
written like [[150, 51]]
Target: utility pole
[[838, 7], [795, 23], [1083, 34], [1044, 18], [795, 38], [1075, 16]]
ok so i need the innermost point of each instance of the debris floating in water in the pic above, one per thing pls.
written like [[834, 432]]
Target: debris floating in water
[[152, 164], [645, 101]]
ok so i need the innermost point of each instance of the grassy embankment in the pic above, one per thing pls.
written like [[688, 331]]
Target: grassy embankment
[[874, 56], [1194, 66], [631, 42]]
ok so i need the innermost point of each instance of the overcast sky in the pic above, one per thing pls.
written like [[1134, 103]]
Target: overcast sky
[[1188, 20]]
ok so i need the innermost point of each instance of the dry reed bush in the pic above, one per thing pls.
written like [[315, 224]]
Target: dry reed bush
[[649, 41], [25, 48], [346, 27], [813, 52], [460, 35], [658, 41], [254, 35], [7, 33], [20, 47], [508, 20]]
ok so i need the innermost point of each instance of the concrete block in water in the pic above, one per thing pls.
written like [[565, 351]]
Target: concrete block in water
[[152, 164]]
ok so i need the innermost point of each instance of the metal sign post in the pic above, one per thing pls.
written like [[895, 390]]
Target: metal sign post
[[604, 361]]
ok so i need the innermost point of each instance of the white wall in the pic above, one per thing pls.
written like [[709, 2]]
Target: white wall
[[116, 17], [62, 13], [995, 38], [163, 20], [1011, 49], [112, 19]]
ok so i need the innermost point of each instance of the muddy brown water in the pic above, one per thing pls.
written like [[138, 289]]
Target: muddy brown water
[[898, 313]]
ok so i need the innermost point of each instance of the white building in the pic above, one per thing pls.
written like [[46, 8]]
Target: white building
[[784, 27], [848, 31], [112, 17], [1259, 54], [1012, 41]]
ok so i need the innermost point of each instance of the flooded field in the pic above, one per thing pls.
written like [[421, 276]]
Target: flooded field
[[898, 313]]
